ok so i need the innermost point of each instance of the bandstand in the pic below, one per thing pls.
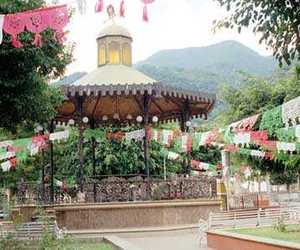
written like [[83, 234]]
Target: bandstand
[[115, 93]]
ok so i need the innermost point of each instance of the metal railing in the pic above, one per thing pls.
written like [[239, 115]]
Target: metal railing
[[254, 218], [121, 189]]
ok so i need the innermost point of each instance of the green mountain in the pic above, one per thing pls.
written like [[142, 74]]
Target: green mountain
[[207, 67]]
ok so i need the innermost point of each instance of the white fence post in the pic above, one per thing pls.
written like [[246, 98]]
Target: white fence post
[[258, 217], [234, 218], [209, 220]]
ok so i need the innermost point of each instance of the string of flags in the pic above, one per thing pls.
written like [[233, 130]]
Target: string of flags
[[54, 17], [223, 138], [195, 164], [58, 136], [100, 6], [14, 151]]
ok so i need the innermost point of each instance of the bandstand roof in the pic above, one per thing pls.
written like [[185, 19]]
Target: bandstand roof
[[111, 75], [118, 91]]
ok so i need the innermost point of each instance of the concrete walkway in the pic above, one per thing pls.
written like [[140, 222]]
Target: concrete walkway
[[172, 240]]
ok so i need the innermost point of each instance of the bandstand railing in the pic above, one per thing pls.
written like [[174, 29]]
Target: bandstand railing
[[120, 189]]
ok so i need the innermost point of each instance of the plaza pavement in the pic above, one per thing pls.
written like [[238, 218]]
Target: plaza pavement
[[165, 240]]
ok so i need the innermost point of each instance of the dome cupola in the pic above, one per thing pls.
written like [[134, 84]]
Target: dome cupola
[[114, 46]]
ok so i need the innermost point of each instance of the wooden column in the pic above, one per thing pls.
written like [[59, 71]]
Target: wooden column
[[43, 176], [226, 173], [94, 161], [146, 104], [184, 117], [80, 141]]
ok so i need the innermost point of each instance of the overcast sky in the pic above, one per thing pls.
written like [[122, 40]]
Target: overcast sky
[[173, 24]]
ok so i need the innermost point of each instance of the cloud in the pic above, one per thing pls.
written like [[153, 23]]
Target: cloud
[[173, 24]]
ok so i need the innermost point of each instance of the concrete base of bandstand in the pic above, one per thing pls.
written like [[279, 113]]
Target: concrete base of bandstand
[[126, 216]]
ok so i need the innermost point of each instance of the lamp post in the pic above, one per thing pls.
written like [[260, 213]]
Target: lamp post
[[188, 166], [83, 122], [39, 129], [94, 161], [52, 164]]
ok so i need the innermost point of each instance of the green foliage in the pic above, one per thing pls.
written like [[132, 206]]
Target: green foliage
[[283, 169], [256, 95], [9, 242], [272, 121], [277, 21], [5, 204], [113, 157], [291, 234], [208, 64], [286, 134], [26, 71], [210, 155], [280, 225]]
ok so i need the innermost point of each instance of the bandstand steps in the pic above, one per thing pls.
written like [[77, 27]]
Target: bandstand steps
[[31, 230], [2, 215]]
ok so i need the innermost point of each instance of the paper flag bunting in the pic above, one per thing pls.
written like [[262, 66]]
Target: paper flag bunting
[[5, 144], [57, 136], [285, 146], [37, 21], [154, 134], [7, 155], [1, 27], [196, 140], [186, 143], [291, 111], [135, 135], [297, 132], [5, 166], [241, 138], [199, 165], [173, 156], [122, 9], [204, 138], [145, 9], [99, 5], [58, 183], [167, 137], [258, 153]]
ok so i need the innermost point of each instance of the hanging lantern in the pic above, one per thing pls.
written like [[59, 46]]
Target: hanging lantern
[[139, 119], [145, 9], [116, 116]]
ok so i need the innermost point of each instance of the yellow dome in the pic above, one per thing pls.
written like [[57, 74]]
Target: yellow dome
[[114, 30]]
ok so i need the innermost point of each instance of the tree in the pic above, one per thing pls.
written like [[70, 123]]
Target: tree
[[256, 95], [25, 96], [277, 21]]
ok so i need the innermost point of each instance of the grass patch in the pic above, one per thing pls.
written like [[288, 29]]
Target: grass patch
[[292, 233], [90, 246]]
